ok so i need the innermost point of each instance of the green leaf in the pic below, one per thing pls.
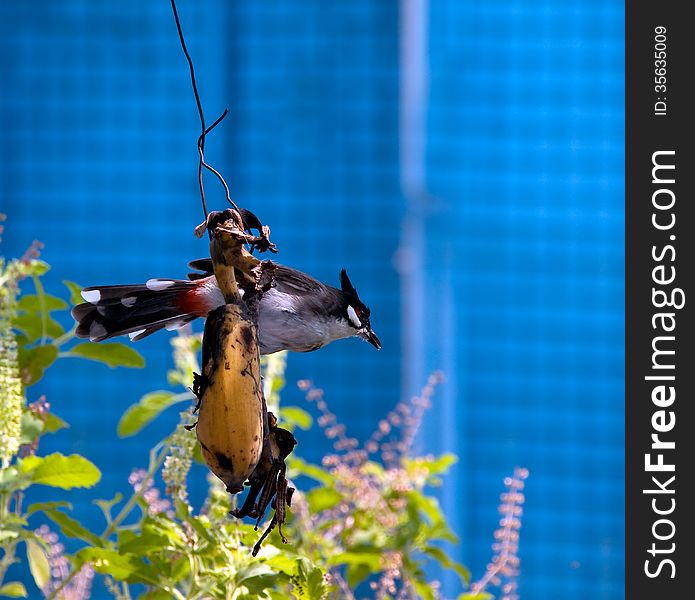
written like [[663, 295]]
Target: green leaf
[[34, 362], [201, 525], [168, 528], [180, 568], [371, 559], [144, 543], [428, 505], [13, 589], [57, 470], [308, 581], [75, 289], [123, 567], [198, 455], [32, 427], [441, 531], [35, 267], [14, 519], [42, 506], [154, 594], [33, 327], [373, 469], [32, 303], [278, 559], [14, 527], [38, 563], [423, 589], [70, 527], [293, 415], [107, 505], [434, 466], [11, 479], [251, 570], [22, 341], [443, 463], [147, 409], [113, 355], [440, 556], [109, 562], [53, 423], [474, 596], [8, 534], [356, 573], [298, 466], [322, 498]]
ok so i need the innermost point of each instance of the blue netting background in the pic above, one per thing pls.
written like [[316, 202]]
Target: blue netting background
[[515, 278]]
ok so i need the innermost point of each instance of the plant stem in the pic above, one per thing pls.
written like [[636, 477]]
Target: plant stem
[[8, 560], [8, 557], [342, 584], [66, 337], [41, 295], [155, 463], [157, 456]]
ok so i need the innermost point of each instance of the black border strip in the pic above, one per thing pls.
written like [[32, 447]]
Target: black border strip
[[650, 130]]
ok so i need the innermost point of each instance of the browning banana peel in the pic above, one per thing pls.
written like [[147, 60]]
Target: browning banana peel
[[239, 439], [232, 423], [232, 409]]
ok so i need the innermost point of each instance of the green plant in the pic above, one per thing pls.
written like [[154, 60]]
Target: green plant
[[31, 340], [393, 529], [364, 522], [371, 516]]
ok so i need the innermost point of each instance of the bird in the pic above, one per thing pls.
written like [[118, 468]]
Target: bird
[[298, 313]]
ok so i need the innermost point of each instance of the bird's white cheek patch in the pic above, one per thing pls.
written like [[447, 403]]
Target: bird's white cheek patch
[[352, 315], [157, 285], [91, 296]]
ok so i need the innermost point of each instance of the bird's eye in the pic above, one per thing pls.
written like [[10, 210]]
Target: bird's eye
[[354, 319]]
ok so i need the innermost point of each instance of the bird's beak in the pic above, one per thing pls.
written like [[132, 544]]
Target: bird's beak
[[370, 336]]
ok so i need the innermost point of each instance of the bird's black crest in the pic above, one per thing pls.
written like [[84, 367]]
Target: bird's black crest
[[346, 285]]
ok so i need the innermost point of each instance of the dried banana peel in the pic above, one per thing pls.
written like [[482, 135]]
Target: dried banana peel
[[278, 445]]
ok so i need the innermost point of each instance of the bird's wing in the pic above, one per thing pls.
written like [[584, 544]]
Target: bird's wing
[[287, 280], [291, 281], [201, 264]]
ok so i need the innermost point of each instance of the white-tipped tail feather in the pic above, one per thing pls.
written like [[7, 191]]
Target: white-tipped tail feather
[[158, 285], [140, 310], [92, 296]]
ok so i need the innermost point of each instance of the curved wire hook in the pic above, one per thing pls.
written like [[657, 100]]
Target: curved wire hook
[[203, 130], [201, 141]]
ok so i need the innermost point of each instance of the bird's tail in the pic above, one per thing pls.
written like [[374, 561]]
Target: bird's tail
[[140, 310]]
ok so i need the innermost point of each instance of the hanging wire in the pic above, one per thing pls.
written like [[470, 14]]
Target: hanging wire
[[203, 130]]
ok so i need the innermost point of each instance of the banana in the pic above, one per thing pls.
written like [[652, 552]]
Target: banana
[[233, 422], [232, 409], [279, 444]]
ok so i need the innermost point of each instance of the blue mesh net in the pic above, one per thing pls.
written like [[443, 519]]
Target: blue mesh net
[[515, 287]]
